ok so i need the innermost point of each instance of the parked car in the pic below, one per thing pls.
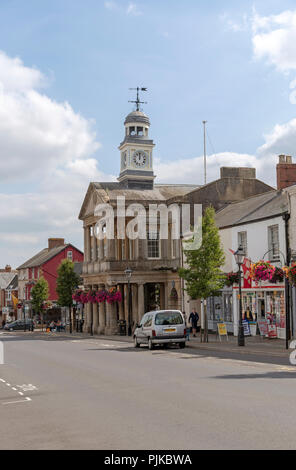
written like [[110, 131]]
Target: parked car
[[161, 327], [19, 325]]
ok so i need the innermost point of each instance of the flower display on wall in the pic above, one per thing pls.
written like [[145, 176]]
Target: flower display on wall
[[262, 271], [232, 278], [84, 297], [291, 274], [278, 275], [113, 295]]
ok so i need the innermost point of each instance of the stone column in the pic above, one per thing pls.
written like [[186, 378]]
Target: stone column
[[95, 315], [111, 250], [101, 250], [85, 244], [141, 306], [165, 295], [125, 302], [121, 304], [134, 305], [164, 249], [162, 296], [102, 316], [111, 315], [88, 244], [142, 250], [94, 244], [88, 309]]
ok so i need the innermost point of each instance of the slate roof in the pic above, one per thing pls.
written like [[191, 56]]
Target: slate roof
[[6, 279], [263, 206], [160, 192], [42, 257]]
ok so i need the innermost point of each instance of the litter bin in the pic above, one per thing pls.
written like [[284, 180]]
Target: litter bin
[[122, 327]]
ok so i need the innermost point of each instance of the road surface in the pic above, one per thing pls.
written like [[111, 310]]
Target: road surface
[[63, 393]]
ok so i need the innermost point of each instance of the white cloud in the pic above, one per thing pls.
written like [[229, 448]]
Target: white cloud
[[133, 9], [274, 39], [47, 143], [191, 170], [36, 132]]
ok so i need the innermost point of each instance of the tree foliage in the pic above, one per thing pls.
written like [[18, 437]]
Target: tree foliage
[[39, 294], [67, 282], [203, 274]]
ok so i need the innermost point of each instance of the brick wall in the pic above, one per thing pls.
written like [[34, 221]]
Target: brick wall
[[286, 172]]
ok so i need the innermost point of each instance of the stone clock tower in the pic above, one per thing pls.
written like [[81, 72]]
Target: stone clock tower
[[136, 171]]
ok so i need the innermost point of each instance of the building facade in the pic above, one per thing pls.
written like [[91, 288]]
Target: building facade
[[45, 264], [152, 262], [8, 292]]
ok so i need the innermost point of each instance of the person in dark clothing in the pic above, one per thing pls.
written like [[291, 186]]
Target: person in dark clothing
[[193, 319]]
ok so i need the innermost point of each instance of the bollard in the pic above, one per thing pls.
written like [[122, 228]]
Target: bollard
[[1, 352]]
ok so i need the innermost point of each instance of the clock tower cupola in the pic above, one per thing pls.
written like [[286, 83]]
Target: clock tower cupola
[[136, 170]]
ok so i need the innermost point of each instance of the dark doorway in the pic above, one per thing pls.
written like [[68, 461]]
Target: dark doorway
[[152, 297]]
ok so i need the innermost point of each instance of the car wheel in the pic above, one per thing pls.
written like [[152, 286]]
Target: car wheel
[[150, 344], [136, 344], [182, 345]]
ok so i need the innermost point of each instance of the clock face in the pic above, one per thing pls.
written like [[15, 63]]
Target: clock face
[[139, 158]]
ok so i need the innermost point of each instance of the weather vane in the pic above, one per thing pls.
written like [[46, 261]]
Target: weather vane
[[137, 101]]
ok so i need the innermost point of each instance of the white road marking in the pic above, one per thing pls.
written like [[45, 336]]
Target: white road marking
[[27, 399], [27, 388], [1, 352]]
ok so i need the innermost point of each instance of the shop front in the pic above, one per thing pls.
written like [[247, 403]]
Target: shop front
[[263, 307]]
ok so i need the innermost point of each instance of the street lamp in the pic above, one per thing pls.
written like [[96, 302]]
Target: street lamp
[[128, 273], [239, 258]]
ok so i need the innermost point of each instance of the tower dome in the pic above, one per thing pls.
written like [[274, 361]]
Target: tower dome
[[137, 117]]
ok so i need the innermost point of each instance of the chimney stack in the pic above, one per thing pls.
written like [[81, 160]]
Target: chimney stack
[[285, 172], [55, 242]]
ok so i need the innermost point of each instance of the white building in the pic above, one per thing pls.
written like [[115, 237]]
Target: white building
[[260, 224]]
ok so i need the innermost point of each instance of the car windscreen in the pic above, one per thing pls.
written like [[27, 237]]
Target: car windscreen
[[168, 318]]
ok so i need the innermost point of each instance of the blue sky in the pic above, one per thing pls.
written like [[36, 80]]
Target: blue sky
[[199, 60]]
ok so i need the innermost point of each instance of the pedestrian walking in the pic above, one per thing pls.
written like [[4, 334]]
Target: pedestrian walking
[[194, 319], [187, 329]]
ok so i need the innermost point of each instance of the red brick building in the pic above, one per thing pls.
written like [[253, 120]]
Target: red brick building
[[46, 264]]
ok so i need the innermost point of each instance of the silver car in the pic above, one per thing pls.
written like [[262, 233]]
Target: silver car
[[161, 327]]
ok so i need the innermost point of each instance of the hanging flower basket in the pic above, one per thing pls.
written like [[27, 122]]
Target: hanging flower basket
[[291, 272], [278, 275], [232, 278], [84, 297], [113, 295], [92, 297], [77, 296], [101, 296], [262, 271], [174, 294]]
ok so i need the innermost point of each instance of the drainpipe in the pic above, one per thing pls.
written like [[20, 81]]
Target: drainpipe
[[286, 218]]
